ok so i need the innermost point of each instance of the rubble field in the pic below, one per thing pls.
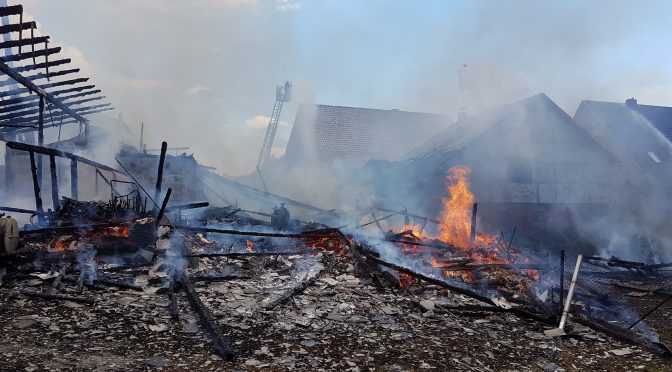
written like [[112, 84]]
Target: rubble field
[[337, 320]]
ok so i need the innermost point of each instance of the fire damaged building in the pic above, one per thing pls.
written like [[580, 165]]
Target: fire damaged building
[[352, 136], [380, 240], [532, 167]]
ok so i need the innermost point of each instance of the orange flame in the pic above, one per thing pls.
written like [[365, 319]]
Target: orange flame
[[59, 246], [455, 229], [417, 230], [455, 226], [405, 280], [250, 245]]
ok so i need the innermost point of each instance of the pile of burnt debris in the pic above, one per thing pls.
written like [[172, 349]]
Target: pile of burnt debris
[[118, 285]]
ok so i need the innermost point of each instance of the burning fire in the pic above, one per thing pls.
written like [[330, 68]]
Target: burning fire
[[250, 245], [59, 246], [455, 229], [418, 230]]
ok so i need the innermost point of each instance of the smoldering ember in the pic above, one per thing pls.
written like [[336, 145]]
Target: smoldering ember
[[503, 234]]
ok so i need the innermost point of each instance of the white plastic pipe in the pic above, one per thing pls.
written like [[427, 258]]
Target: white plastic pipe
[[570, 294]]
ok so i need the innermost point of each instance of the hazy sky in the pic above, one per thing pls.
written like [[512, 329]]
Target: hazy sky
[[202, 73]]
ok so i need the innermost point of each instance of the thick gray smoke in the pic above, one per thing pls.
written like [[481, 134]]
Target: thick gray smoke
[[199, 72], [202, 74]]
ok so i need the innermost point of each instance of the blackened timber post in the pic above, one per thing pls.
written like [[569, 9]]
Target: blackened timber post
[[74, 191], [54, 182], [40, 138], [159, 217], [159, 178], [472, 235], [36, 185]]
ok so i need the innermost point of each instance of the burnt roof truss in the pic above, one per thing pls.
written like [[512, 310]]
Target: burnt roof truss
[[25, 97]]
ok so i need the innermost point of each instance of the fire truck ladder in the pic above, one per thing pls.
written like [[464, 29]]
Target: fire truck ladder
[[282, 95]]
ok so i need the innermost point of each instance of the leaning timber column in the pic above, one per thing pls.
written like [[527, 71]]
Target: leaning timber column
[[40, 139], [54, 183], [74, 191], [159, 178], [36, 185], [8, 170]]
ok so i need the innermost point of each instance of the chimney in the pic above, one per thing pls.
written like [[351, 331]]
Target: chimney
[[631, 102]]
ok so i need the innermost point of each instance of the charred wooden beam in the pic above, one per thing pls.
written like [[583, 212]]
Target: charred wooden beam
[[118, 284], [19, 123], [24, 42], [21, 210], [471, 267], [187, 206], [54, 183], [219, 341], [422, 244], [25, 115], [18, 27], [413, 215], [43, 65], [30, 55], [19, 91], [376, 220], [36, 182], [19, 103], [622, 334], [159, 216], [441, 283], [159, 177], [11, 10], [49, 151], [41, 92], [656, 266], [73, 90], [74, 180], [40, 138], [248, 254], [46, 296], [322, 233], [40, 75]]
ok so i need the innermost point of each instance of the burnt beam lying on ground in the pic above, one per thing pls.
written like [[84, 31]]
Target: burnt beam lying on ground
[[46, 296], [220, 343]]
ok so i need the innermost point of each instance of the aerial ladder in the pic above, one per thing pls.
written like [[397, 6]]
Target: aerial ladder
[[282, 94]]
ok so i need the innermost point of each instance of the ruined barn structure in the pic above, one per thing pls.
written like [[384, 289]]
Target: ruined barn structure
[[40, 94]]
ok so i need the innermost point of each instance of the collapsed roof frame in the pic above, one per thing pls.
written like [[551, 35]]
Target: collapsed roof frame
[[53, 153], [24, 113], [20, 110]]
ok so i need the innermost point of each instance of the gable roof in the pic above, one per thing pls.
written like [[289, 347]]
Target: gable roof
[[359, 134], [659, 116], [629, 136], [443, 148]]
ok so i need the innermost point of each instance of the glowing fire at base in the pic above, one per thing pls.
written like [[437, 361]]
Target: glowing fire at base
[[455, 229]]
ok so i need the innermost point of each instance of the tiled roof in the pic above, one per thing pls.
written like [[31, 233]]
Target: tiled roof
[[360, 134], [659, 116], [628, 134], [443, 148]]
